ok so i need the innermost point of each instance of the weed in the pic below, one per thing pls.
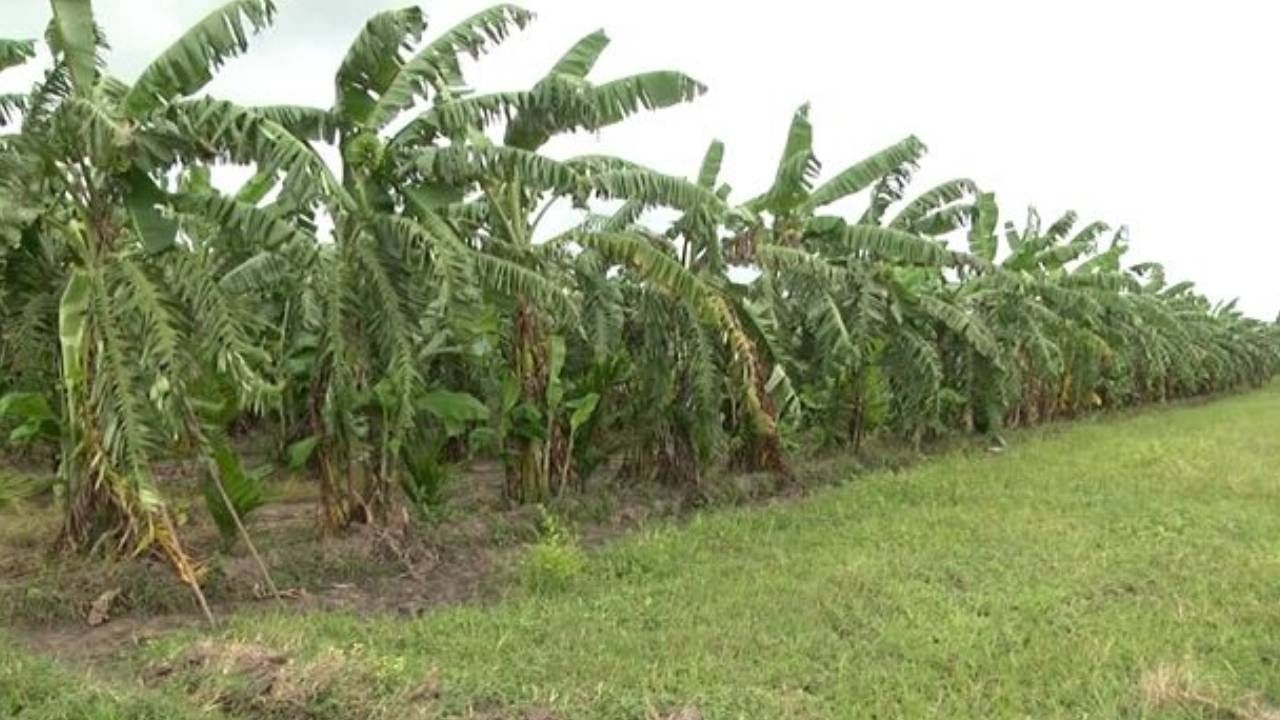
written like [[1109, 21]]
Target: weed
[[555, 561]]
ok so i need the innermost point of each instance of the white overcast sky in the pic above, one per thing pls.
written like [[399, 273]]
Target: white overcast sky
[[1160, 115]]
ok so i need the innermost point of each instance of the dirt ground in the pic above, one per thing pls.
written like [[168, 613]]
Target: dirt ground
[[85, 610]]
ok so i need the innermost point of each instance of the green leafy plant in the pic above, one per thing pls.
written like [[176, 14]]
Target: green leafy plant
[[555, 561], [30, 417], [231, 493]]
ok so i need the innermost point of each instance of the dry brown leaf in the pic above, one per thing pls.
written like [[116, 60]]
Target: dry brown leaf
[[100, 610]]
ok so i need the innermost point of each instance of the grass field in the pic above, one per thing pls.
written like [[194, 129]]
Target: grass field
[[1123, 567]]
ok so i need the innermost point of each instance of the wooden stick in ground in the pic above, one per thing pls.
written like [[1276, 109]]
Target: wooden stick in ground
[[244, 533], [182, 565], [204, 604]]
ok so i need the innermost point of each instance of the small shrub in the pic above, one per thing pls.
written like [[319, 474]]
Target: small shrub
[[426, 479], [555, 560]]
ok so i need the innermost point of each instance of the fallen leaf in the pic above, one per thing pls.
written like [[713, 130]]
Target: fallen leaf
[[100, 610]]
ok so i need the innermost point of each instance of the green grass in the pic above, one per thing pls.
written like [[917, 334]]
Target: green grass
[[36, 689], [1052, 580]]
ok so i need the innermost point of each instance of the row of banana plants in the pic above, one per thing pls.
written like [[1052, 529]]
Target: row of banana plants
[[385, 317]]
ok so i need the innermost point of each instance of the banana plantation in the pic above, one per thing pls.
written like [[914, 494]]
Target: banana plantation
[[408, 281]]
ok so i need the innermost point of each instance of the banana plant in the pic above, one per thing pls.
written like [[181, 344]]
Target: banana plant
[[140, 324], [492, 193], [709, 330], [861, 299], [381, 291]]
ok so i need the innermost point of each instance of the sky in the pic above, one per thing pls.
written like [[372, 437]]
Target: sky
[[1159, 116]]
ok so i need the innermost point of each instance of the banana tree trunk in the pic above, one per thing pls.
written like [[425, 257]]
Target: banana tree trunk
[[351, 490], [527, 479], [535, 463], [762, 449], [857, 423]]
